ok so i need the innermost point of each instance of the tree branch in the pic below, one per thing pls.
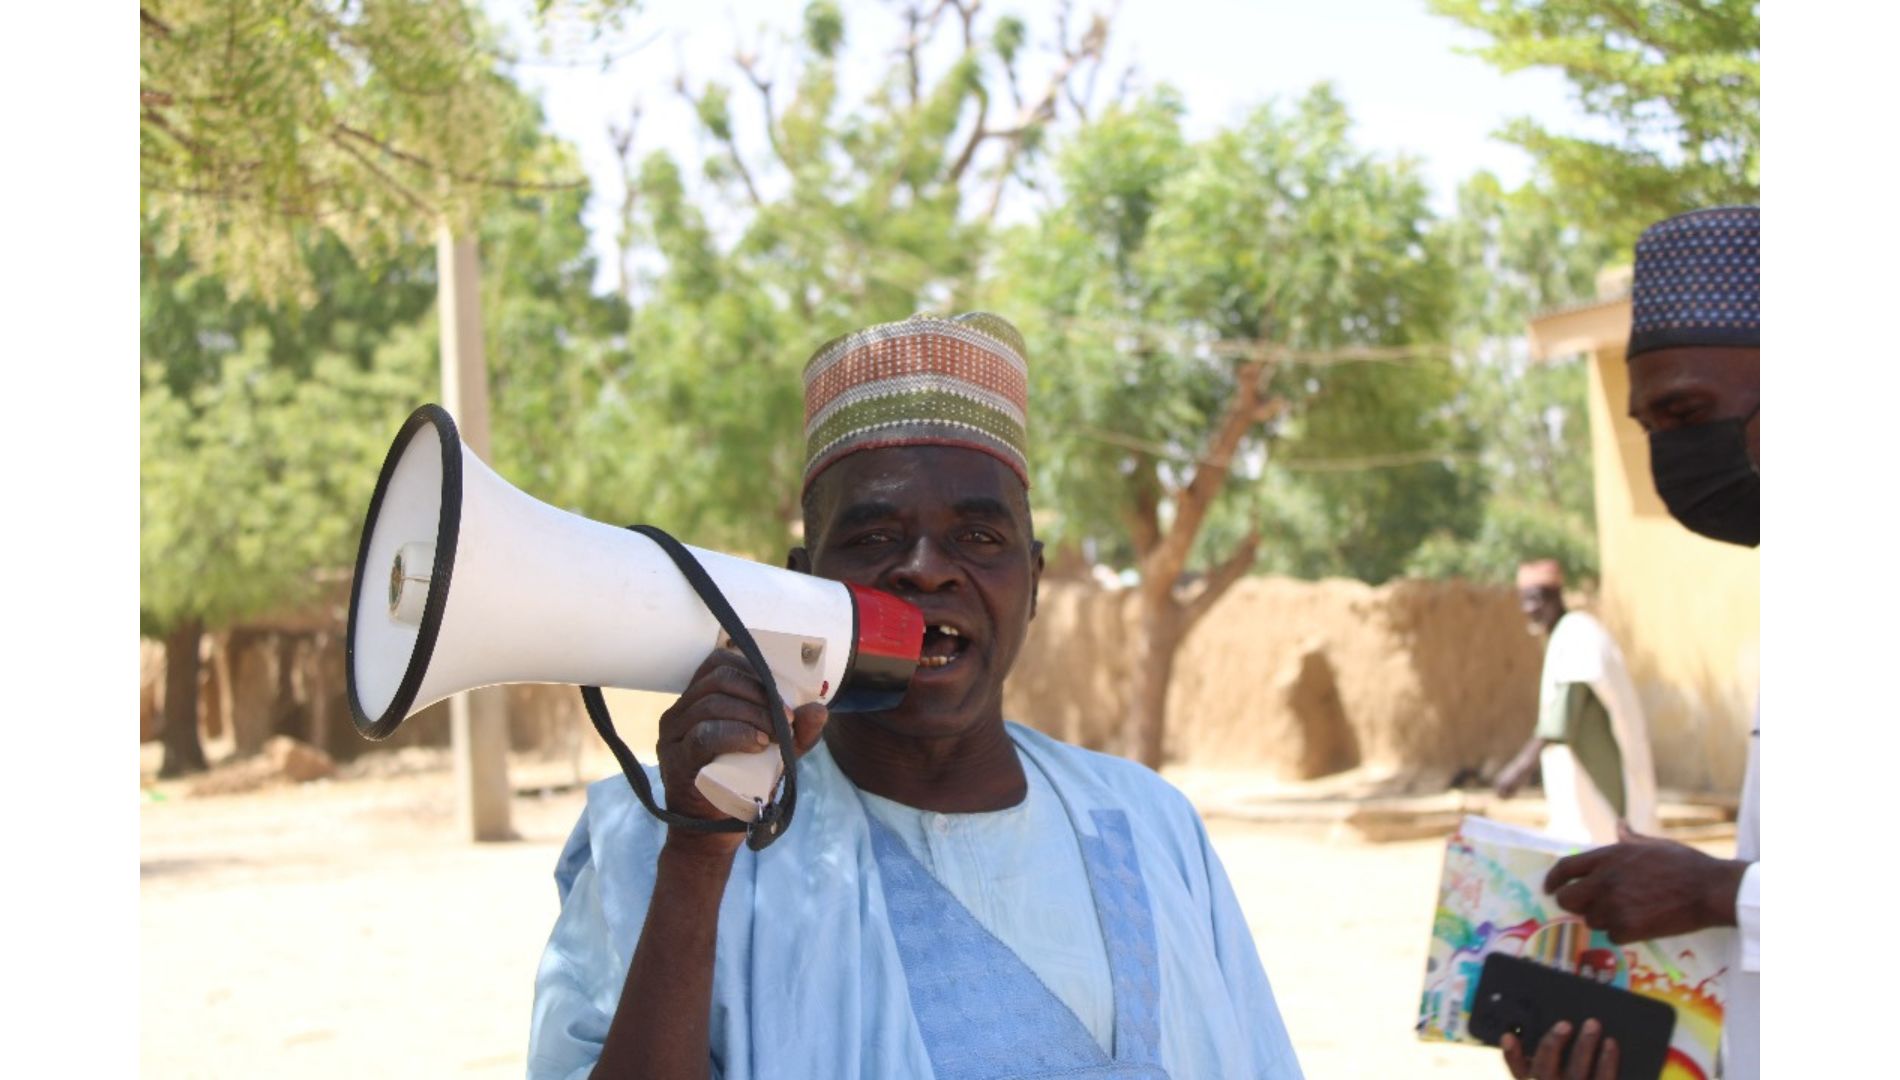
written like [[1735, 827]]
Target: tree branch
[[623, 154], [1244, 411], [1144, 515], [468, 178], [416, 201], [977, 135], [919, 27], [1219, 580], [1092, 44], [748, 63], [726, 140]]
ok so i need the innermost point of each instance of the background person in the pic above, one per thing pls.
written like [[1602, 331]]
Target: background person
[[1591, 743]]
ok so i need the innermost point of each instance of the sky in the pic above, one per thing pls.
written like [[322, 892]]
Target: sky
[[1396, 65]]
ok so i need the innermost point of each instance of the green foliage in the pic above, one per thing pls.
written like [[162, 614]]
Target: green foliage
[[296, 161], [1680, 82], [1167, 263], [1513, 532], [254, 481], [824, 29], [263, 425], [855, 212], [371, 120], [1517, 255], [191, 320]]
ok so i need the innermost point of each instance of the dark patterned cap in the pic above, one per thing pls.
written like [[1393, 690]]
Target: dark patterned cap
[[1698, 281]]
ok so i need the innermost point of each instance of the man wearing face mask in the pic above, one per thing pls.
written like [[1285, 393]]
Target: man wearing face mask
[[1695, 387]]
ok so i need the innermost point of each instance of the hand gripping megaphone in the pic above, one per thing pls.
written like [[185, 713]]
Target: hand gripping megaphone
[[463, 581]]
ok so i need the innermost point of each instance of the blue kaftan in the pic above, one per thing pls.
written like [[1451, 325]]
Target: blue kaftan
[[841, 955]]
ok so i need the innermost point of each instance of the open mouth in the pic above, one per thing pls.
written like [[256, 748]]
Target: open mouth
[[943, 646]]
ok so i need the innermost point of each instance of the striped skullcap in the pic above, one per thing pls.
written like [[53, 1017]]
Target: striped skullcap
[[926, 381], [1698, 281]]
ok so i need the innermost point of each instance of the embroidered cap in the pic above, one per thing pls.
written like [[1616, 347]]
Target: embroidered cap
[[1698, 281], [927, 381]]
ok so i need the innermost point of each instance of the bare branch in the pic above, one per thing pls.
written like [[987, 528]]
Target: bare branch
[[1144, 516], [966, 10], [623, 153], [748, 63], [918, 28], [1263, 348], [1087, 100], [978, 133], [157, 119], [1219, 580], [726, 140], [421, 162], [1244, 411], [1382, 461], [1042, 109], [414, 200]]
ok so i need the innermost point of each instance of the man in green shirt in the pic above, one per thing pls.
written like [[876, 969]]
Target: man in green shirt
[[1591, 743]]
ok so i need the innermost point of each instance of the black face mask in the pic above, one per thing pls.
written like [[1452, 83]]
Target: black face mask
[[1707, 481]]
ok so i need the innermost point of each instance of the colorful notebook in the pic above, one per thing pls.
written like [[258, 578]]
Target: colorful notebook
[[1491, 899]]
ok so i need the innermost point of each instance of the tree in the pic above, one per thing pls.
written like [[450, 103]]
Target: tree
[[1680, 82], [259, 119], [241, 487], [838, 215], [1199, 312], [250, 484], [268, 133], [1516, 254], [263, 424]]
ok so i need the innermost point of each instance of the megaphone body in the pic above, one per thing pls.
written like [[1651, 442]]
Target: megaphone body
[[487, 585]]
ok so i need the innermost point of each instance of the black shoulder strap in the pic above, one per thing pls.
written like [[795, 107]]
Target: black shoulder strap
[[775, 817]]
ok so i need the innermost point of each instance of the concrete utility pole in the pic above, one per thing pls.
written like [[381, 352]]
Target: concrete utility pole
[[478, 719]]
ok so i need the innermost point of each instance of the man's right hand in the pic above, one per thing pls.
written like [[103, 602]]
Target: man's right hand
[[723, 710], [1520, 770], [1589, 1061]]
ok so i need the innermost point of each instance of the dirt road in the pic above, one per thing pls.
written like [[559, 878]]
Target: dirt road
[[338, 929]]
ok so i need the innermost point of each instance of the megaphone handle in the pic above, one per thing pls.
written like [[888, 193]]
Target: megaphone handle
[[740, 784], [769, 820]]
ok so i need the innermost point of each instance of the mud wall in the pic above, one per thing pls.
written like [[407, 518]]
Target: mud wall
[[1301, 678], [256, 682]]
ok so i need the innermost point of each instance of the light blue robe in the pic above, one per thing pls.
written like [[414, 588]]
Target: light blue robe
[[809, 976]]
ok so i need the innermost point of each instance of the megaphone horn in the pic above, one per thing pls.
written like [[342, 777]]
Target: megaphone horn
[[463, 581]]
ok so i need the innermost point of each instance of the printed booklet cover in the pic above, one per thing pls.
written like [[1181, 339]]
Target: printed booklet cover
[[1491, 899]]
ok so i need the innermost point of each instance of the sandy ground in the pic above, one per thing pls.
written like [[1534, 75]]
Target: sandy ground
[[340, 929]]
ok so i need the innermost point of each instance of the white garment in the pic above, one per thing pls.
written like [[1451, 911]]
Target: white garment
[[1741, 1017], [1582, 651], [1578, 811]]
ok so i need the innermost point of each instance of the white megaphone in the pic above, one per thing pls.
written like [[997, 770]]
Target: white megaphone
[[463, 581]]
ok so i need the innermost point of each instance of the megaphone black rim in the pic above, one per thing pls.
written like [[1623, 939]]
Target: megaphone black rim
[[448, 527]]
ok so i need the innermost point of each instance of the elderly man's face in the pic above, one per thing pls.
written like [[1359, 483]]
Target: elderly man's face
[[947, 529], [1695, 384]]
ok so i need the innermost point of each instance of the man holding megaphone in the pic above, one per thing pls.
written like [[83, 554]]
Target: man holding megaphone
[[959, 897]]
